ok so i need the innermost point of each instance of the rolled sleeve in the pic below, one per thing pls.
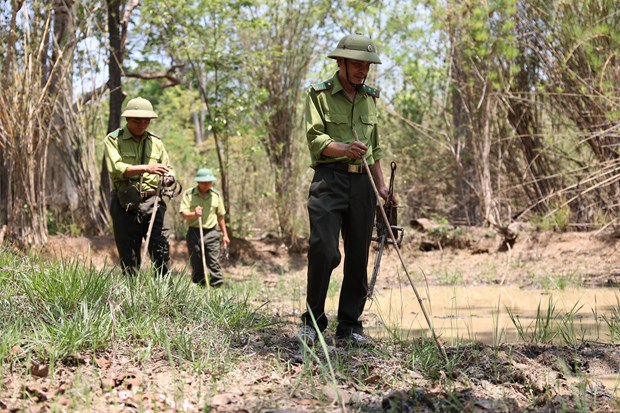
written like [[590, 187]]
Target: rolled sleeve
[[221, 211], [114, 162], [377, 151], [315, 128], [186, 201]]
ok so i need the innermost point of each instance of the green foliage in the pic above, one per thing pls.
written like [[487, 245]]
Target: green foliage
[[559, 218], [444, 233], [550, 324], [55, 310], [613, 322]]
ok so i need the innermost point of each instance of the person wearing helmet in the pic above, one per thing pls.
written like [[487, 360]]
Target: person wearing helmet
[[203, 204], [137, 160], [341, 130]]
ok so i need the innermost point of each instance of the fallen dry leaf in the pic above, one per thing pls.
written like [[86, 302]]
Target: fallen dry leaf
[[103, 362], [221, 399], [40, 370], [375, 378]]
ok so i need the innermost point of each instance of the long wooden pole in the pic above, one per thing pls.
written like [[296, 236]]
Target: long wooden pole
[[202, 253], [145, 247], [386, 221]]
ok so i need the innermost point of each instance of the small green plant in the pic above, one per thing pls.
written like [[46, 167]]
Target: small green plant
[[450, 277], [558, 218], [613, 322], [444, 233], [549, 324], [561, 281]]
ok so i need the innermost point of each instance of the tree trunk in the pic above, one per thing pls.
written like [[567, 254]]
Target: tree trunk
[[465, 198], [116, 91]]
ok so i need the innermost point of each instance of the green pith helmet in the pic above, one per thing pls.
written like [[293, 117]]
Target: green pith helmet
[[205, 175], [139, 108], [356, 47]]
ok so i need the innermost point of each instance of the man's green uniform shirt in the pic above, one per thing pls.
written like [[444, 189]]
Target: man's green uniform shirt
[[330, 117], [122, 151], [212, 206]]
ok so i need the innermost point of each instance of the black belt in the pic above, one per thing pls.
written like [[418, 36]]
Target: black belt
[[204, 229], [148, 194], [344, 167]]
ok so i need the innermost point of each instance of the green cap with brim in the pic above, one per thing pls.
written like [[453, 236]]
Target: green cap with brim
[[139, 108], [205, 175], [356, 47]]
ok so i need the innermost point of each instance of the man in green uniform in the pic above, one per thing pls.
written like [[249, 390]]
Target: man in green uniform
[[204, 204], [341, 129], [137, 162]]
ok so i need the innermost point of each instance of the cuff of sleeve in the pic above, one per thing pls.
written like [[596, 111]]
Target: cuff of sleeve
[[320, 144], [122, 169]]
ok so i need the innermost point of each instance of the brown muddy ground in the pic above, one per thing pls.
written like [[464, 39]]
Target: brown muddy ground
[[509, 378]]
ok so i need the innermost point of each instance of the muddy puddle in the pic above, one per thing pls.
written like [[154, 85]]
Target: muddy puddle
[[462, 314], [483, 313]]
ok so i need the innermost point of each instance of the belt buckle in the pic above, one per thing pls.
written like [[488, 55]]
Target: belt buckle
[[354, 169]]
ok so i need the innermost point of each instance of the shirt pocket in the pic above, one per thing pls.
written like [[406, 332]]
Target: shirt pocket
[[214, 203], [337, 126], [369, 122], [153, 154], [129, 155]]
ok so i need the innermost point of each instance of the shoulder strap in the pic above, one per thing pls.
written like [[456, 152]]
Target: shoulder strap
[[371, 91], [319, 87], [116, 133]]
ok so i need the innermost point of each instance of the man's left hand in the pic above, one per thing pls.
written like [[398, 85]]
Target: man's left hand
[[383, 192]]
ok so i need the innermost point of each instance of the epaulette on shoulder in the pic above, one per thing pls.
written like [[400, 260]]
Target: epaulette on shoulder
[[215, 191], [319, 87], [115, 134], [153, 135], [371, 91]]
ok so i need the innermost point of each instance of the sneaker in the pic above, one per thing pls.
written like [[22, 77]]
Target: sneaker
[[307, 335], [355, 340]]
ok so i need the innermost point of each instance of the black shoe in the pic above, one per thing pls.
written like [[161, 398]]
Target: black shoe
[[307, 335], [355, 340]]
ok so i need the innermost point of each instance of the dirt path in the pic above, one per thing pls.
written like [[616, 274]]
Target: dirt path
[[472, 257]]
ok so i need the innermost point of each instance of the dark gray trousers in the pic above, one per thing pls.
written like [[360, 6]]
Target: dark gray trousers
[[211, 242]]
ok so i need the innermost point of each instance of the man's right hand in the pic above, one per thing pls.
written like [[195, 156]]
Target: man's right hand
[[355, 150], [198, 211], [156, 169]]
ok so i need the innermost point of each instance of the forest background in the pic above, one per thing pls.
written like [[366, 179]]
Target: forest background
[[495, 111]]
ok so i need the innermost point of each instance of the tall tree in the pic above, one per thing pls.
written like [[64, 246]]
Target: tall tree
[[279, 37], [71, 155], [25, 130], [117, 35]]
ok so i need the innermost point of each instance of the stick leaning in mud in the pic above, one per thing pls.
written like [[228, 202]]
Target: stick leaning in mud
[[442, 351], [145, 246]]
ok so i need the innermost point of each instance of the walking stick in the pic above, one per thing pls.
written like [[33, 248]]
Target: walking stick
[[442, 351], [202, 252], [145, 247]]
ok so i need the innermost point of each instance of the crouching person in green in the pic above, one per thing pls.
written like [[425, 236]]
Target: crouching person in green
[[203, 204]]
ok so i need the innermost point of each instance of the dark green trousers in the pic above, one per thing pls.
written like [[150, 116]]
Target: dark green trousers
[[130, 228], [211, 243], [339, 202]]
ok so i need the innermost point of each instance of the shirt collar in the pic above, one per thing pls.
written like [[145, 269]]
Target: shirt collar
[[197, 192], [128, 135], [338, 86]]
